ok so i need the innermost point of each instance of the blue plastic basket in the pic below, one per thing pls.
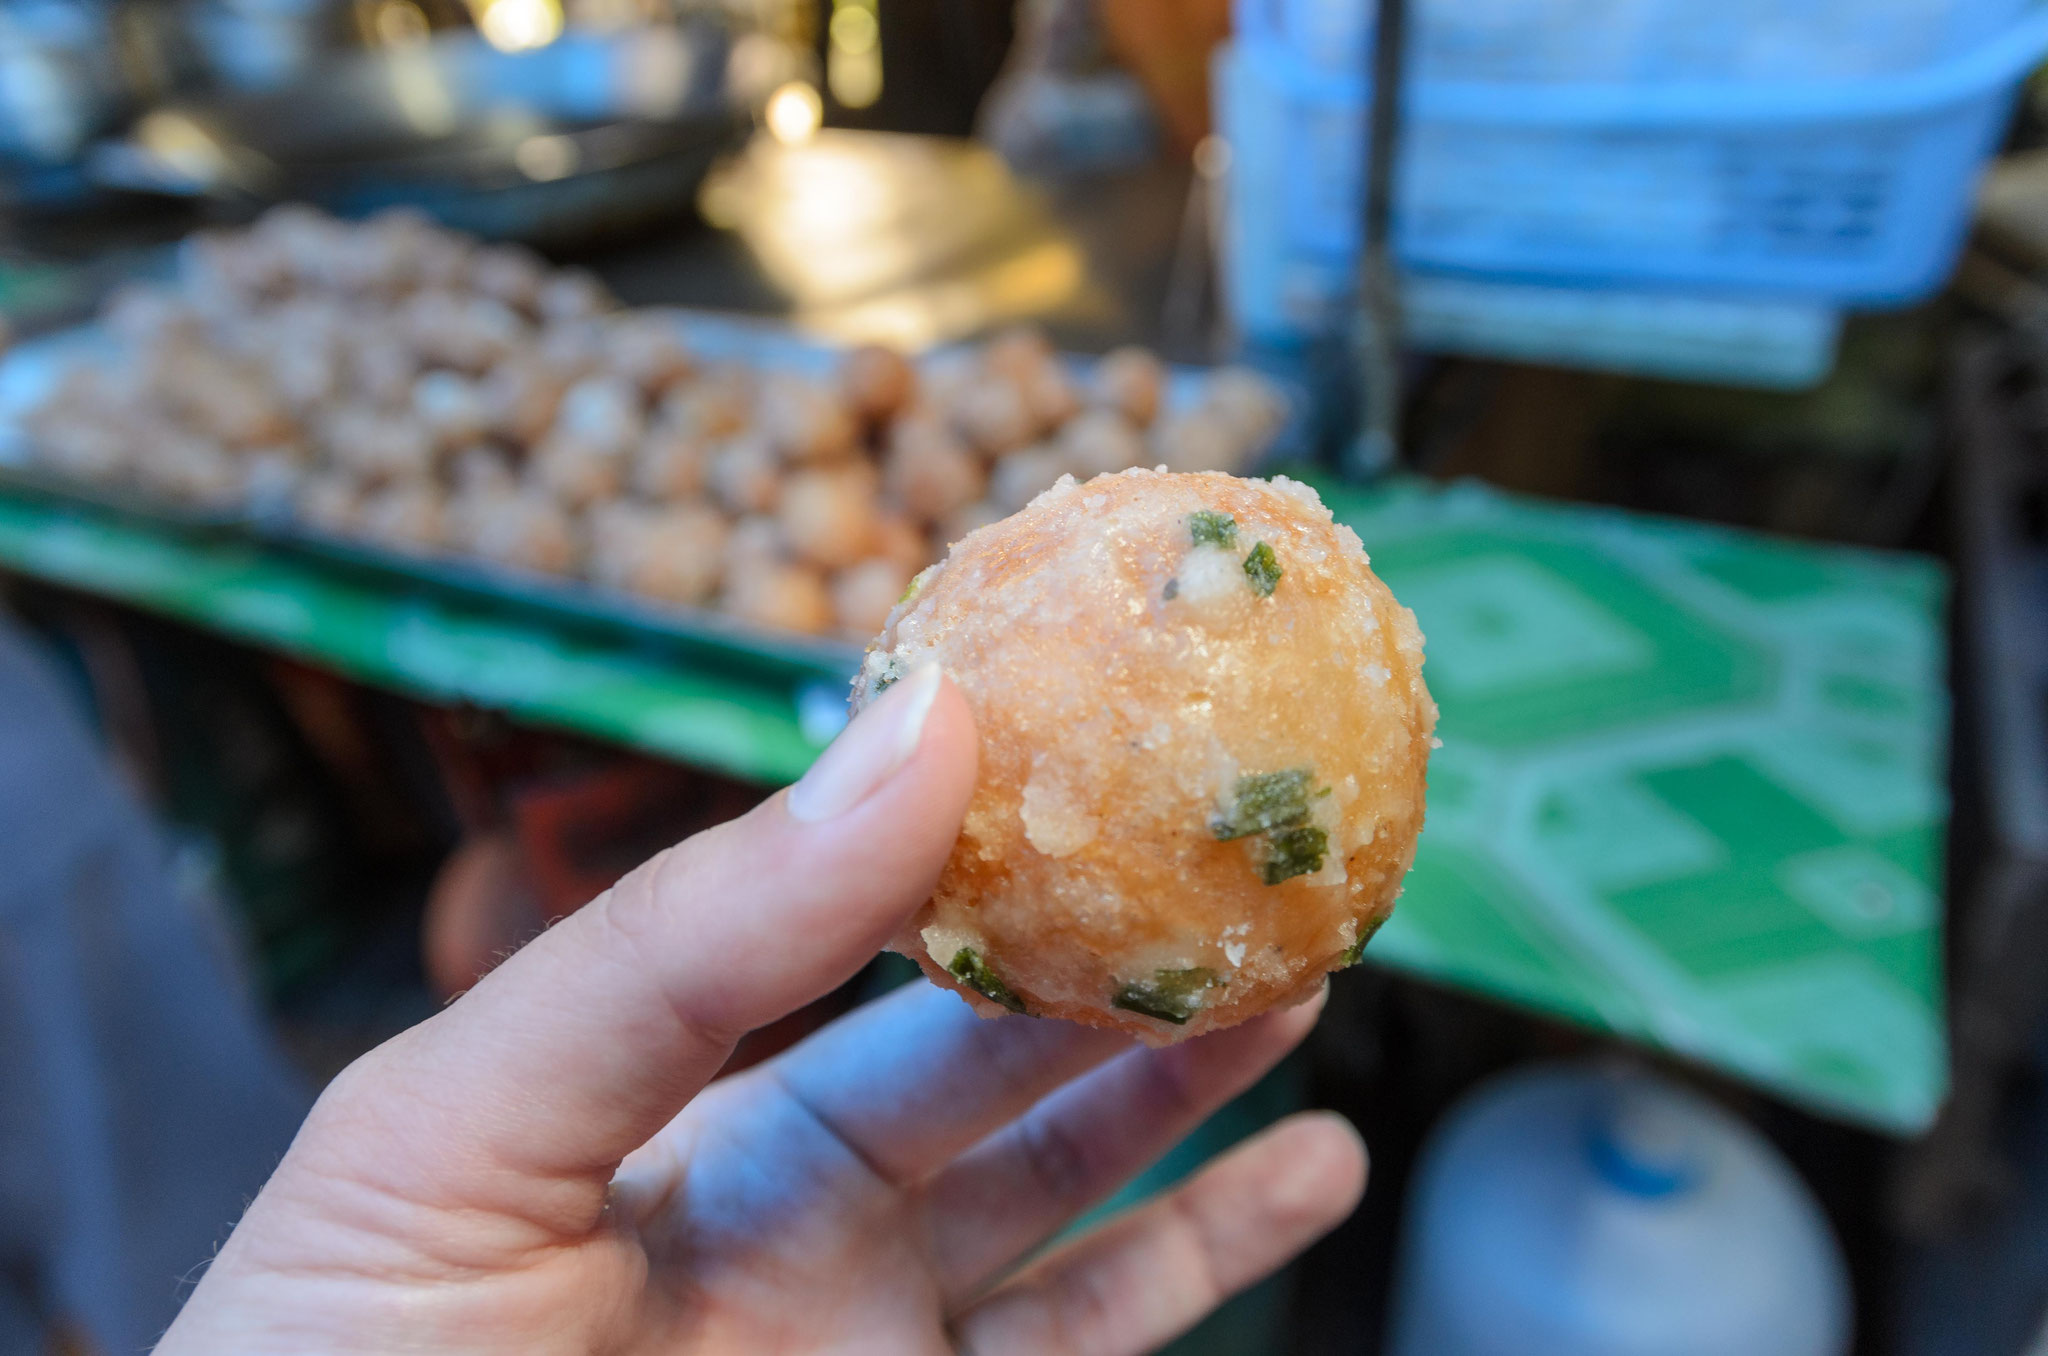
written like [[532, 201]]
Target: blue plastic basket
[[1851, 191]]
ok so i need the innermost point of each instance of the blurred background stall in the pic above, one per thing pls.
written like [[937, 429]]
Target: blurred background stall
[[450, 449]]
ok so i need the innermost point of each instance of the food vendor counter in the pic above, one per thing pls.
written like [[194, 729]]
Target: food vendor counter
[[1691, 789]]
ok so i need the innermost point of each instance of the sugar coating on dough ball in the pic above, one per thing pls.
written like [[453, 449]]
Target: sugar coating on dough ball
[[1204, 734]]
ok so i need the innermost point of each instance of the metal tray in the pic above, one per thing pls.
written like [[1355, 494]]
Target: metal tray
[[711, 638]]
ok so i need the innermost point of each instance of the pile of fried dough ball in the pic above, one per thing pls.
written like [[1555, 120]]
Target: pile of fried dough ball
[[396, 383]]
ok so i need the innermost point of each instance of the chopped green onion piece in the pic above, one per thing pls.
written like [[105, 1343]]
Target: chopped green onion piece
[[1210, 528], [892, 672], [916, 585], [1170, 995], [1262, 567], [1355, 953], [1266, 801], [1293, 852], [970, 969]]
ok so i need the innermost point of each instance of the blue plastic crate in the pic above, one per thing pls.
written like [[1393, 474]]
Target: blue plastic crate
[[1852, 191]]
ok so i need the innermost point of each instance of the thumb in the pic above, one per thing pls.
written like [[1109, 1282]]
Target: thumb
[[580, 1047]]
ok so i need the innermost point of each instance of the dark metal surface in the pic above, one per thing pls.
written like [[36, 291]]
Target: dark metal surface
[[582, 136]]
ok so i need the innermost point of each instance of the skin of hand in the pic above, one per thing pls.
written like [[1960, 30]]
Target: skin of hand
[[541, 1166]]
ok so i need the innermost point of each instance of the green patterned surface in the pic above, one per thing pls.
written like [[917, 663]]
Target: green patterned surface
[[1690, 787], [420, 643]]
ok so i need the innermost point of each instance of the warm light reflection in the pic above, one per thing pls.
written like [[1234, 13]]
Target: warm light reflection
[[855, 30], [518, 25], [399, 23], [546, 158], [177, 143], [420, 89], [794, 113], [909, 239], [853, 53], [917, 317]]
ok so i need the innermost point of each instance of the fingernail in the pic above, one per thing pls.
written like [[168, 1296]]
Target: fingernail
[[868, 752]]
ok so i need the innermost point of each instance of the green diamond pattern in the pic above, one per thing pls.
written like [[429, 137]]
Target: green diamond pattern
[[1691, 787]]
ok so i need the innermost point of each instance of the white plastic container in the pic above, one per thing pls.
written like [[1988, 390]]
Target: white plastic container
[[1848, 191], [1582, 1211], [1620, 41]]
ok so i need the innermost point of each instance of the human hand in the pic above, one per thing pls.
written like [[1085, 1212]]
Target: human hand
[[541, 1167]]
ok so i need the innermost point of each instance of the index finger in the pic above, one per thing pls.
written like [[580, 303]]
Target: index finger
[[580, 1047]]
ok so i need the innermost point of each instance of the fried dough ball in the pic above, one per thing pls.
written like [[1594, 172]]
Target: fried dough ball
[[780, 594], [863, 594], [928, 471], [718, 404], [572, 294], [1050, 396], [576, 471], [804, 421], [876, 381], [1020, 354], [1022, 476], [379, 370], [994, 415], [306, 372], [1101, 442], [375, 446], [459, 330], [408, 515], [508, 273], [271, 476], [829, 518], [673, 554], [604, 411], [753, 542], [1197, 441], [410, 249], [522, 528], [1247, 404], [574, 348], [1130, 380], [222, 398], [141, 313], [194, 470], [897, 539], [451, 408], [974, 516], [1204, 734], [85, 428], [743, 476], [645, 347], [943, 378], [523, 394], [331, 503], [481, 467], [220, 272], [670, 465]]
